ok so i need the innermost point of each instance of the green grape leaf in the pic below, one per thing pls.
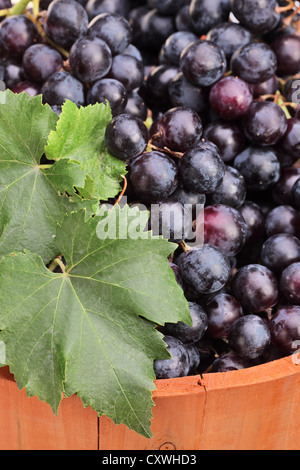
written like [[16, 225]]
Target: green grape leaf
[[91, 329], [33, 197], [79, 136]]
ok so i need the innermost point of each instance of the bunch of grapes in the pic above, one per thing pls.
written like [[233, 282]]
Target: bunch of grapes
[[205, 103]]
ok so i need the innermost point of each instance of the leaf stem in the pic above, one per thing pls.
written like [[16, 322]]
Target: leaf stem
[[57, 262], [18, 8]]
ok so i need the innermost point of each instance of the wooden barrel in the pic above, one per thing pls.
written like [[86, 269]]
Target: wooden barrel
[[256, 408]]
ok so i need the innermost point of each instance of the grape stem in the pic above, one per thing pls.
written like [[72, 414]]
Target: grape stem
[[184, 246], [57, 262], [122, 192], [290, 6]]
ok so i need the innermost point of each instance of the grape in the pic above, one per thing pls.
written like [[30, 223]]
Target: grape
[[265, 123], [112, 91], [269, 87], [61, 86], [155, 30], [224, 228], [134, 51], [230, 98], [229, 37], [279, 251], [203, 63], [174, 45], [255, 15], [13, 73], [205, 269], [158, 81], [206, 14], [283, 219], [255, 63], [285, 328], [40, 61], [67, 20], [32, 89], [117, 7], [250, 337], [135, 106], [255, 287], [195, 201], [227, 362], [287, 50], [171, 220], [178, 365], [17, 33], [222, 311], [166, 7], [90, 59], [183, 19], [183, 93], [296, 194], [289, 284], [232, 191], [201, 168], [178, 129], [113, 29], [227, 136], [290, 141], [282, 191], [126, 136], [194, 357], [259, 166], [186, 333], [127, 70], [154, 176]]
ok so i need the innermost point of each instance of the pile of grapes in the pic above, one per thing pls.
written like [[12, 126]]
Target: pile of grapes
[[205, 102]]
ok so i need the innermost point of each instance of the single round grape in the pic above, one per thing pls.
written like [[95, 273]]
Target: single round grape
[[205, 14], [229, 36], [40, 61], [62, 86], [231, 191], [126, 136], [113, 29], [255, 15], [134, 51], [255, 220], [227, 136], [203, 63], [289, 144], [285, 328], [90, 59], [205, 269], [153, 176], [255, 287], [183, 93], [282, 192], [279, 251], [170, 219], [13, 73], [186, 333], [178, 365], [296, 194], [136, 106], [127, 70], [265, 123], [224, 228], [228, 362], [117, 7], [201, 168], [174, 45], [112, 91], [250, 337], [259, 166], [158, 81], [230, 98], [178, 129], [283, 219], [155, 30], [67, 20], [289, 283], [269, 87], [287, 50], [17, 33], [222, 311], [254, 63]]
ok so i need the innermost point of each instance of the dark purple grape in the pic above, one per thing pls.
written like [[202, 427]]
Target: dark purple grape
[[203, 63], [32, 89], [290, 142], [259, 166], [228, 362], [287, 51], [250, 337], [205, 269], [179, 363], [62, 86], [183, 93], [166, 7], [227, 136], [232, 191], [126, 136], [40, 61], [118, 7], [201, 168], [112, 91], [67, 20], [194, 356], [269, 87], [282, 191], [178, 129], [136, 106], [229, 36], [153, 176], [134, 51], [224, 228], [279, 251], [186, 333], [174, 45], [255, 63], [289, 283], [205, 14], [112, 29], [170, 219], [283, 219], [90, 59], [296, 194], [127, 70], [17, 33], [13, 73], [255, 220], [255, 287], [256, 15], [230, 98], [194, 201], [285, 328], [155, 30], [158, 81], [183, 19], [222, 311], [265, 123]]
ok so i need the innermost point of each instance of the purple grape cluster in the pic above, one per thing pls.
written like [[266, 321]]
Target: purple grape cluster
[[218, 85]]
